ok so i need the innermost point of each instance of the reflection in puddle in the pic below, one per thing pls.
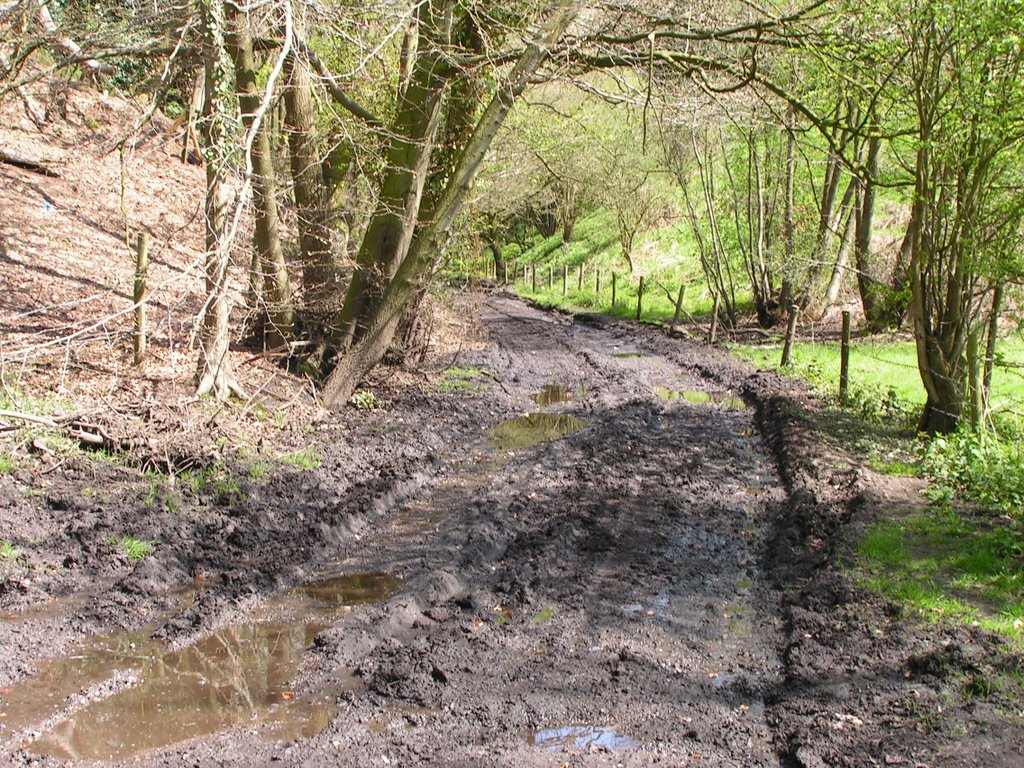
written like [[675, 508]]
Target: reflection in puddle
[[241, 675], [43, 695], [721, 399], [580, 737], [533, 429], [354, 589], [551, 394]]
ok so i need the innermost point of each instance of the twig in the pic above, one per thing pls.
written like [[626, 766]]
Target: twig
[[30, 417]]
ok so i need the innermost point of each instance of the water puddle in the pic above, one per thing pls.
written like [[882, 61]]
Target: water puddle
[[723, 400], [580, 737], [552, 394], [354, 589], [240, 675], [533, 429]]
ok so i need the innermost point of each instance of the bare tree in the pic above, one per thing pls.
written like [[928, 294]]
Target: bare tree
[[213, 372]]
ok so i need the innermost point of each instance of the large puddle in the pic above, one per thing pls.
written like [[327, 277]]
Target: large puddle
[[240, 675], [533, 429]]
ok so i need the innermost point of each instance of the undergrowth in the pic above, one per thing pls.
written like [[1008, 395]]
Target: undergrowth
[[979, 466], [307, 459]]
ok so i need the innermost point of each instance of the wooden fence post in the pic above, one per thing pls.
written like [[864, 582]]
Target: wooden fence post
[[844, 360], [579, 284], [534, 278], [679, 308], [565, 279], [713, 330], [597, 283], [139, 297], [640, 298], [787, 348]]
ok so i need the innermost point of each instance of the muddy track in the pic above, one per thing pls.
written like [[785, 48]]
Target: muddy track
[[640, 572]]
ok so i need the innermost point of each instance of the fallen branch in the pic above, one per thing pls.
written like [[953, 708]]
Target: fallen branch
[[31, 417], [89, 435], [34, 164]]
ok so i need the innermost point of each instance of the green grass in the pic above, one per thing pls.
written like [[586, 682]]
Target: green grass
[[7, 464], [545, 614], [889, 364], [459, 379], [949, 567], [886, 366], [364, 400], [885, 401], [307, 459], [664, 256], [259, 470], [134, 549], [9, 552]]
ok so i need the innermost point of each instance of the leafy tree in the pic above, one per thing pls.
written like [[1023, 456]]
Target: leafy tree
[[959, 69]]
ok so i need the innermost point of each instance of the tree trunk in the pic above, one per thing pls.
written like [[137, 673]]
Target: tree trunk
[[390, 233], [826, 226], [382, 322], [835, 284], [268, 257], [868, 286], [939, 350], [786, 294], [213, 372], [318, 277], [499, 261]]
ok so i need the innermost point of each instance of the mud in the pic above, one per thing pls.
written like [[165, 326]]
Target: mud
[[628, 577]]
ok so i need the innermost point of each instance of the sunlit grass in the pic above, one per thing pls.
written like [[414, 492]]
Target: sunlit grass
[[949, 567], [133, 548], [307, 459], [888, 365], [459, 379]]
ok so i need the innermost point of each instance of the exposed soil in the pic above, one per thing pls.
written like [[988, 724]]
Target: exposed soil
[[660, 585], [658, 580]]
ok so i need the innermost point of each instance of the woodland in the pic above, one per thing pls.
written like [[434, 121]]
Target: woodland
[[403, 136], [398, 382]]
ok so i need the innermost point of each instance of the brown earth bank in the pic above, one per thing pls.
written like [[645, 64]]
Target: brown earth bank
[[646, 570]]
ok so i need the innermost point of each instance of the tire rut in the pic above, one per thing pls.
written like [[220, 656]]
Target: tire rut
[[595, 599]]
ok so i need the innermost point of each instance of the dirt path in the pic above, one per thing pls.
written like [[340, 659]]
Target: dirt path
[[597, 588], [626, 576]]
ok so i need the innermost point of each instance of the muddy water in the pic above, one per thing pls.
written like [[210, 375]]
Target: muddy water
[[580, 737], [139, 697], [723, 400], [533, 429], [552, 394]]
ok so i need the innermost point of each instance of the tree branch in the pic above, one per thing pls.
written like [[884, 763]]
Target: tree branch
[[331, 83]]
